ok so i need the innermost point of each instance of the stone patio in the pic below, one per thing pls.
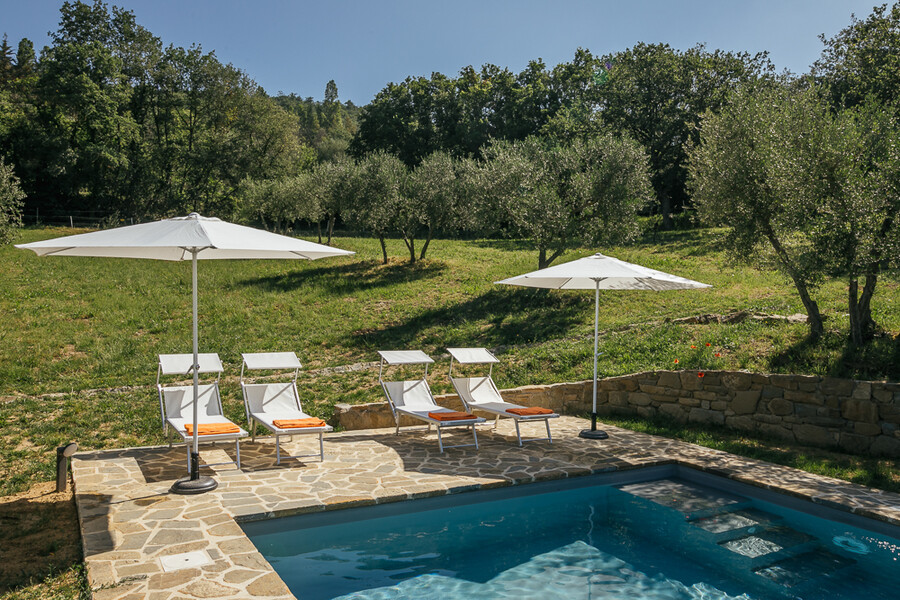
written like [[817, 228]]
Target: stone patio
[[129, 520]]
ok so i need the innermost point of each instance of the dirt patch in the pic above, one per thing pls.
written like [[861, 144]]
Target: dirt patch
[[39, 529], [69, 352]]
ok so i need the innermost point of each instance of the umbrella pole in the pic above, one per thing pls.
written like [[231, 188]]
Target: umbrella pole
[[193, 483], [593, 433]]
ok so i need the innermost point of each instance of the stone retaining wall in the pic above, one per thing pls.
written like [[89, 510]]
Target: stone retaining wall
[[861, 417]]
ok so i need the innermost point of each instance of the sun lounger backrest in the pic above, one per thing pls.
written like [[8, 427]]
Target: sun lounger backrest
[[411, 395], [179, 401], [476, 390], [271, 398]]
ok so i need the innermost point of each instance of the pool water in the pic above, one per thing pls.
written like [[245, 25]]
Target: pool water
[[668, 539]]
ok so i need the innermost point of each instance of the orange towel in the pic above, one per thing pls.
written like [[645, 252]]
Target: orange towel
[[298, 423], [530, 411], [451, 416], [212, 428]]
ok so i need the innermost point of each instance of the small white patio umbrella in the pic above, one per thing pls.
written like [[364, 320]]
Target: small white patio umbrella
[[599, 272], [190, 238]]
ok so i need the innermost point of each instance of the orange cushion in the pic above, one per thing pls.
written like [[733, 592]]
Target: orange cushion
[[450, 416], [212, 428], [530, 411], [298, 423]]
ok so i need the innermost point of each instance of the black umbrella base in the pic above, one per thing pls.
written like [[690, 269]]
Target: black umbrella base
[[593, 434], [186, 485]]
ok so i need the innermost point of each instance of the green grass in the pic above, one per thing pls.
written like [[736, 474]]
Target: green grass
[[77, 324]]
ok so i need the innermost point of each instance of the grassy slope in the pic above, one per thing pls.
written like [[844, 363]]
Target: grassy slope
[[71, 325]]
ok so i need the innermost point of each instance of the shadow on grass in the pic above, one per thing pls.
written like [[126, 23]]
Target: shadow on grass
[[40, 537], [685, 242], [510, 316], [349, 278], [878, 358]]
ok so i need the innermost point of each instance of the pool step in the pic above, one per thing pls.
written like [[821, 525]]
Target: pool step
[[692, 500], [768, 546], [730, 524], [808, 569]]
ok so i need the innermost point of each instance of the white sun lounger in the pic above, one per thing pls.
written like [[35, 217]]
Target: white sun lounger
[[413, 398], [266, 403], [176, 402], [481, 393]]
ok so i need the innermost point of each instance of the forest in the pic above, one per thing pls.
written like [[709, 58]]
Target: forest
[[108, 124]]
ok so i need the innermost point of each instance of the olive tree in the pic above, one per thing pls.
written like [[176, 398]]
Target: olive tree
[[811, 191], [586, 193], [379, 187], [11, 196]]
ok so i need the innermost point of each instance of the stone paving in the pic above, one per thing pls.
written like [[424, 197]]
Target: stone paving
[[129, 520]]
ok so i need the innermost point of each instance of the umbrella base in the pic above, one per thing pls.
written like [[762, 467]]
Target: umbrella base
[[186, 485], [593, 434]]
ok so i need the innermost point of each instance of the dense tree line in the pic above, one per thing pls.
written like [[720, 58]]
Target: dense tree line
[[109, 119], [651, 92]]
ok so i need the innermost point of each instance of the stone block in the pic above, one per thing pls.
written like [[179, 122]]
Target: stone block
[[869, 429], [669, 379], [720, 405], [688, 402], [885, 446], [770, 391], [804, 397], [814, 435], [700, 415], [741, 423], [646, 412], [832, 386], [705, 395], [776, 431], [618, 398], [785, 382], [882, 395], [690, 381], [781, 407], [771, 419], [673, 411], [857, 444], [745, 402], [862, 390], [639, 399], [865, 411], [807, 383], [736, 381]]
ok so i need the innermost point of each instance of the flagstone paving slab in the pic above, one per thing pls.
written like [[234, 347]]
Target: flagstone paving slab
[[129, 519]]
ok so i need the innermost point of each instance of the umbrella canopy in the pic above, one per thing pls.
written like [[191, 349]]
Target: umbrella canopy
[[185, 238], [174, 239], [605, 273], [599, 272]]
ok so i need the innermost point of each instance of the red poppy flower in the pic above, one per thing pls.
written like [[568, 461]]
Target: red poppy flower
[[718, 355], [676, 361], [708, 344], [701, 374], [693, 346]]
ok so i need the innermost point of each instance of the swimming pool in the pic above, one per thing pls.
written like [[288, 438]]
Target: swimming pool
[[666, 532]]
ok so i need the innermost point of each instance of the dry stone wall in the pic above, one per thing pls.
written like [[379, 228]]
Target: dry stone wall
[[861, 417]]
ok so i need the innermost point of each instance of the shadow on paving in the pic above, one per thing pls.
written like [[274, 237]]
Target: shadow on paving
[[514, 316], [349, 278]]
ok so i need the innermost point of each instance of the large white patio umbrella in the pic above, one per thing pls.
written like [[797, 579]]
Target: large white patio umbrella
[[599, 272], [190, 238]]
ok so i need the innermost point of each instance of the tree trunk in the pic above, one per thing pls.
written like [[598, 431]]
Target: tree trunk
[[383, 248], [543, 261], [665, 208], [331, 220], [862, 326], [411, 246], [814, 317], [319, 228], [425, 245]]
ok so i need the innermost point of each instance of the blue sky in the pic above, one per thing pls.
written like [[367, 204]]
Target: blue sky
[[297, 46]]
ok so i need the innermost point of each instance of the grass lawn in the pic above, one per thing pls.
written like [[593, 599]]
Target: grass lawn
[[79, 337]]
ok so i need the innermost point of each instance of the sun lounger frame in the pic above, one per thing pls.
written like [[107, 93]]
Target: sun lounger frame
[[278, 361], [183, 364], [484, 356], [414, 357]]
